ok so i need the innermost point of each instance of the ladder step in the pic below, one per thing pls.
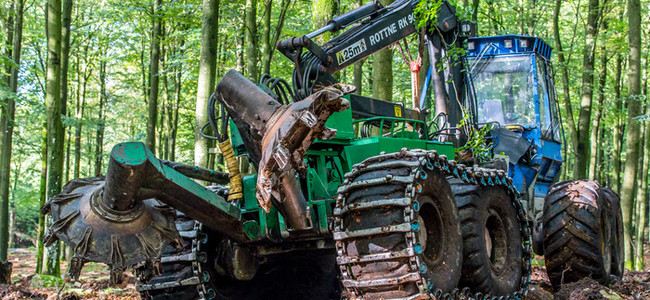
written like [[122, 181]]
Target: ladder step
[[188, 234], [372, 204], [410, 277], [343, 235], [408, 252], [166, 285], [386, 165], [375, 181], [175, 258]]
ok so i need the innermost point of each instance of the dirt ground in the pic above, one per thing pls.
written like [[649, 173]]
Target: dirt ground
[[634, 285], [94, 284]]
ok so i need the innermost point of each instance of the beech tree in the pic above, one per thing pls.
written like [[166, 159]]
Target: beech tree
[[382, 71], [55, 132], [633, 126], [154, 63], [7, 115], [206, 80]]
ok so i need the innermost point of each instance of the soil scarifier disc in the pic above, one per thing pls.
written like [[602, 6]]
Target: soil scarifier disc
[[117, 238]]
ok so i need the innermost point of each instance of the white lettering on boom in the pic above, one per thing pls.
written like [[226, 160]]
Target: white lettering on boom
[[383, 34]]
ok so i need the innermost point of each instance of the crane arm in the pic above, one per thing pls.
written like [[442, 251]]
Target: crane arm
[[372, 28]]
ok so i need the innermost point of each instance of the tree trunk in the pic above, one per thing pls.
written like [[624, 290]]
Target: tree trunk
[[81, 103], [99, 138], [357, 76], [7, 114], [251, 40], [266, 37], [143, 67], [357, 72], [207, 69], [475, 4], [632, 141], [162, 133], [66, 20], [12, 226], [565, 164], [169, 98], [618, 127], [89, 151], [177, 100], [269, 38], [601, 166], [68, 139], [322, 12], [240, 45], [595, 126], [582, 146], [41, 202], [532, 17], [642, 190], [154, 62], [566, 92], [12, 212], [55, 132], [382, 75], [9, 28]]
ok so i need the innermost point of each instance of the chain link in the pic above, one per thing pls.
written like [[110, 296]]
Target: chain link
[[430, 160]]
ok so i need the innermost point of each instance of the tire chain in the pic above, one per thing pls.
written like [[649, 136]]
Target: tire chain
[[199, 262], [429, 160]]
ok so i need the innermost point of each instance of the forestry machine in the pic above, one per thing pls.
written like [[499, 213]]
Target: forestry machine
[[357, 197]]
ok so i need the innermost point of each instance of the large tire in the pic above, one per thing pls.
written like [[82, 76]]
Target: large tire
[[379, 257], [618, 244], [577, 233], [492, 241]]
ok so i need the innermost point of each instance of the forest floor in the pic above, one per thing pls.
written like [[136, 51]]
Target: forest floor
[[94, 283]]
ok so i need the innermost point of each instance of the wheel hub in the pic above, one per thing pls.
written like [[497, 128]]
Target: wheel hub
[[496, 241], [432, 235]]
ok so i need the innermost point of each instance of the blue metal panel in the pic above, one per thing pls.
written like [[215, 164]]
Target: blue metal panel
[[536, 99], [546, 161], [496, 45]]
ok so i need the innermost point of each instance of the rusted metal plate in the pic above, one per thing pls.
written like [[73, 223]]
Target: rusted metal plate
[[277, 137]]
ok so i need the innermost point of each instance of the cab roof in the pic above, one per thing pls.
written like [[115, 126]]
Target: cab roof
[[507, 44]]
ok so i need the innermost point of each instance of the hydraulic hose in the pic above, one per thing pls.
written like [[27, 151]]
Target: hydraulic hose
[[233, 171]]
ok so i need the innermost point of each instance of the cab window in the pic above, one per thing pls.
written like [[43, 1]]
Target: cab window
[[504, 90]]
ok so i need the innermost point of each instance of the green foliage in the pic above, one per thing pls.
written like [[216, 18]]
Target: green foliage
[[477, 145], [426, 12], [45, 281]]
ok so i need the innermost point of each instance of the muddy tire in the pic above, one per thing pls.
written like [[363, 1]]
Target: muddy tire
[[616, 221], [577, 232], [492, 241], [393, 243], [440, 235]]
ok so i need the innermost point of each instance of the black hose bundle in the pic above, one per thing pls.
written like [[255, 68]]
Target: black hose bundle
[[304, 79], [281, 90]]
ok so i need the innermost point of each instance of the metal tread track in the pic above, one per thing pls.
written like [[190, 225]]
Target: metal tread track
[[418, 161]]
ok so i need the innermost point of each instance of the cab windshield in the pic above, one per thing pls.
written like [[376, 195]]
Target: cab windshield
[[504, 90]]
